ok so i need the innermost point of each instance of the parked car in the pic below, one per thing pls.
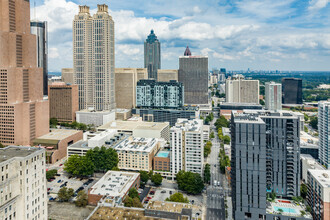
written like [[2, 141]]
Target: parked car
[[171, 192], [59, 181], [163, 191], [152, 193]]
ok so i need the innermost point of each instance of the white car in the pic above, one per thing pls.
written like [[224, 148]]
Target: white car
[[215, 183]]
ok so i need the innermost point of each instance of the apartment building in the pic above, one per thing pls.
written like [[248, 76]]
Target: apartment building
[[187, 146], [324, 133], [23, 183], [273, 96]]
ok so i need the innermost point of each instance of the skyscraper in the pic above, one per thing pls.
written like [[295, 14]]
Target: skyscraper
[[23, 112], [264, 159], [324, 133], [39, 28], [94, 58], [273, 96], [152, 59], [193, 73], [292, 91]]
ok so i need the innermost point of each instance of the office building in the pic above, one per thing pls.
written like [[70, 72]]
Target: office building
[[39, 28], [273, 96], [187, 146], [152, 94], [113, 187], [140, 128], [126, 80], [152, 59], [63, 101], [292, 91], [96, 118], [264, 158], [136, 153], [56, 143], [23, 185], [324, 133], [193, 74], [67, 75], [123, 114], [167, 115], [94, 58], [318, 193], [23, 111], [240, 90], [167, 75]]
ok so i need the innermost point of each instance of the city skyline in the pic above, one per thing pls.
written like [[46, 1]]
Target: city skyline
[[283, 35]]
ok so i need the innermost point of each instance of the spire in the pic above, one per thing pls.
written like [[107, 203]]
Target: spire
[[187, 52], [152, 37]]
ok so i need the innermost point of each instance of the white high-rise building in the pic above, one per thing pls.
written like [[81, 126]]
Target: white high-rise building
[[324, 133], [94, 58], [273, 93], [23, 183], [187, 145], [239, 90]]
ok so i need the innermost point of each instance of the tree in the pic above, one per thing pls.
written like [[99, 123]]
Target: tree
[[221, 122], [144, 176], [305, 129], [50, 174], [207, 173], [53, 122], [65, 194], [190, 182], [212, 135], [262, 102], [133, 193], [82, 199], [103, 158], [137, 203], [313, 122], [157, 179], [226, 139], [128, 201], [177, 197], [303, 190], [2, 146], [79, 166], [207, 148]]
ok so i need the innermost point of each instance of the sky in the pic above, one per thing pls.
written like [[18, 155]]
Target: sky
[[234, 34]]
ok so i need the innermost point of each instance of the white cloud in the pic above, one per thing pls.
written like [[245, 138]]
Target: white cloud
[[318, 4], [53, 53]]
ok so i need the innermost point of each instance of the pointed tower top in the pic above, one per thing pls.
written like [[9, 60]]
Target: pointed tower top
[[152, 37], [187, 52]]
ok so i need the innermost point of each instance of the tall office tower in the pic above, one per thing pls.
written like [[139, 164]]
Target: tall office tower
[[67, 75], [39, 28], [167, 75], [187, 146], [152, 94], [23, 186], [94, 58], [152, 59], [63, 101], [292, 91], [240, 90], [23, 112], [194, 74], [324, 133], [264, 159], [273, 93], [126, 80]]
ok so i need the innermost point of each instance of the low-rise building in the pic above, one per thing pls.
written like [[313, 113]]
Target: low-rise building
[[162, 161], [23, 184], [56, 143], [318, 196], [206, 132], [137, 153], [140, 128], [113, 187], [96, 118], [123, 114]]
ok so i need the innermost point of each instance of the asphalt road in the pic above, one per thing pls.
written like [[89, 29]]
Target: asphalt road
[[215, 197]]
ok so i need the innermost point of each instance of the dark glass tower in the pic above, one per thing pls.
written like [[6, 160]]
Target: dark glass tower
[[152, 55], [292, 91]]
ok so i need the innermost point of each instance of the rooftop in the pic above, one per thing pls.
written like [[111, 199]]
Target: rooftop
[[137, 144], [321, 176], [94, 111], [119, 213], [188, 125], [163, 154], [311, 161], [170, 206], [286, 208], [131, 125], [114, 184], [10, 152], [58, 134]]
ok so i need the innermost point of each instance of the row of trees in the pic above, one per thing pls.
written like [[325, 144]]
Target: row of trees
[[133, 199], [221, 122], [190, 182], [224, 161], [157, 179], [65, 194], [177, 197], [207, 173], [225, 139], [96, 160], [53, 122], [209, 118], [207, 148]]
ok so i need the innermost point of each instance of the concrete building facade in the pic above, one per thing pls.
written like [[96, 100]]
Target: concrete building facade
[[264, 158], [240, 90], [23, 112], [67, 75], [96, 118], [324, 133], [40, 29], [63, 101], [273, 96], [94, 58], [152, 58], [152, 94], [126, 80], [292, 91], [167, 75], [23, 183]]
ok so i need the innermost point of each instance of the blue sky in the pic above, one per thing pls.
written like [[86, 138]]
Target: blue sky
[[235, 34]]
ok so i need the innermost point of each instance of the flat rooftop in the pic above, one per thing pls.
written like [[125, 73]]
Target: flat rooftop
[[111, 213], [287, 208], [10, 152], [163, 154], [188, 125], [58, 134], [95, 112], [322, 177], [114, 184], [137, 144], [170, 206], [132, 125]]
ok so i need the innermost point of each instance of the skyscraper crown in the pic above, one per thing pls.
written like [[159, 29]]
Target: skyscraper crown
[[152, 37], [187, 52]]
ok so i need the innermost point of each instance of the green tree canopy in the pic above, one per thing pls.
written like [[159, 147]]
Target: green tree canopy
[[226, 139], [177, 197], [221, 122], [79, 166], [82, 199], [133, 193], [137, 203], [128, 201], [144, 176], [207, 173], [157, 179], [303, 190], [103, 158], [313, 122], [65, 194], [50, 174], [190, 182]]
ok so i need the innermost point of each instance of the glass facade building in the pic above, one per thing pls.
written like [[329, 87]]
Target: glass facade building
[[152, 59]]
